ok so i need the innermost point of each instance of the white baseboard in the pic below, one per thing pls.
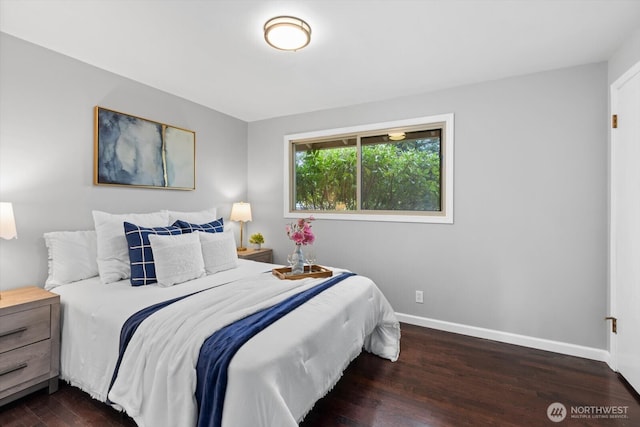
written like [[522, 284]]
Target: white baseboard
[[509, 338]]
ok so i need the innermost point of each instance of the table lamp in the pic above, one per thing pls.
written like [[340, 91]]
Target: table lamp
[[7, 224], [241, 212]]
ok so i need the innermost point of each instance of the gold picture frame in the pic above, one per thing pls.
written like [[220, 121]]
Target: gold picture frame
[[136, 152]]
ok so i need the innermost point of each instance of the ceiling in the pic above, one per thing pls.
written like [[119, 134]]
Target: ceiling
[[213, 52]]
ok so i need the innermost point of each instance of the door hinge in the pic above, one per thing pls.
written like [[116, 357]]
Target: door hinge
[[614, 121], [614, 324]]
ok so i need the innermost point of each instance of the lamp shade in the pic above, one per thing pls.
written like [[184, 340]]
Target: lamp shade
[[7, 221], [241, 211]]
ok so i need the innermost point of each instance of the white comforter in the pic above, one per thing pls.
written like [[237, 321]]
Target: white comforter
[[274, 379]]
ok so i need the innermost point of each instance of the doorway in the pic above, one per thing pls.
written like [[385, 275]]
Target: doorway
[[624, 264]]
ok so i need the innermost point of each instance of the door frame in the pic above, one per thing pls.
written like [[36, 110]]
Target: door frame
[[613, 97]]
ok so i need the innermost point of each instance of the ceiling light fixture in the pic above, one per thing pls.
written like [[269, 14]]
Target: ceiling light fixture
[[287, 33], [396, 136]]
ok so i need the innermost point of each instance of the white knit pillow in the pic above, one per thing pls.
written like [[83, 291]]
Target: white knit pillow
[[177, 258], [218, 250]]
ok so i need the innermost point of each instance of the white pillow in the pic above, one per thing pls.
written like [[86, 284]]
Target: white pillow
[[218, 250], [200, 217], [72, 257], [113, 252], [177, 258]]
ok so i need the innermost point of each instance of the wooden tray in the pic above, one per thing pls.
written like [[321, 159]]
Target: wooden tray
[[309, 271]]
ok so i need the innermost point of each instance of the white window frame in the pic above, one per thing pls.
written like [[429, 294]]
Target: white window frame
[[443, 217]]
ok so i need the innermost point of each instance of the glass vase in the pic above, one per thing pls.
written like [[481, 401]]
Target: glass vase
[[297, 261]]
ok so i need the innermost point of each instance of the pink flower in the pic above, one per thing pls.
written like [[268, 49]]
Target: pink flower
[[309, 238], [298, 237], [300, 231]]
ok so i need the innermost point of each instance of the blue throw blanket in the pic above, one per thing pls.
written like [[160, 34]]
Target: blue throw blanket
[[218, 350], [131, 325]]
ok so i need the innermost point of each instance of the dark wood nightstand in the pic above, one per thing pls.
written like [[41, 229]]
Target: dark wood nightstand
[[29, 342], [260, 255]]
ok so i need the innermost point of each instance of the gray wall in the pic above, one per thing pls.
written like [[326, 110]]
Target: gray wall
[[527, 253], [625, 57], [46, 151]]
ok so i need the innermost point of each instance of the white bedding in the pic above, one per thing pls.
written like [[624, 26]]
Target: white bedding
[[274, 379]]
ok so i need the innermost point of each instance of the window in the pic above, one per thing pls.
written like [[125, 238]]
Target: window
[[395, 171]]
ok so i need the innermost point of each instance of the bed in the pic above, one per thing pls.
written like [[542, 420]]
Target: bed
[[273, 379]]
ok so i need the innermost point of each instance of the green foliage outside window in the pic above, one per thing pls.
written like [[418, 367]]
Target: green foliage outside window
[[401, 176], [326, 179], [396, 176]]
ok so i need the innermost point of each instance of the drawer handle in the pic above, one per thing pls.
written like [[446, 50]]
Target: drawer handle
[[13, 368], [14, 331]]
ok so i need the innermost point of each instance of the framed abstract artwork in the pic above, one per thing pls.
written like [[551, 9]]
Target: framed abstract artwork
[[137, 152]]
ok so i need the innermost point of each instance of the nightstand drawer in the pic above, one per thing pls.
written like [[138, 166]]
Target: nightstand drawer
[[24, 327], [264, 257], [24, 364], [259, 255]]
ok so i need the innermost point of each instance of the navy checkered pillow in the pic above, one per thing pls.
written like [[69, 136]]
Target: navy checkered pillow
[[216, 226], [143, 270]]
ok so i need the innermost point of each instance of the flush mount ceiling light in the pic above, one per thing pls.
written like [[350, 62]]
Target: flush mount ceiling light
[[287, 33], [396, 136]]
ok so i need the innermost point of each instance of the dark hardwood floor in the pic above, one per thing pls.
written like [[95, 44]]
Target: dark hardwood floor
[[441, 379]]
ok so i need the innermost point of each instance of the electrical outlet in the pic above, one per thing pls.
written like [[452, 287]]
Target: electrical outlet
[[419, 297]]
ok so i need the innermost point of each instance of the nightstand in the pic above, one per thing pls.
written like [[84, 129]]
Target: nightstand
[[260, 255], [29, 342]]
